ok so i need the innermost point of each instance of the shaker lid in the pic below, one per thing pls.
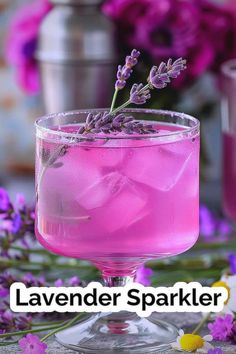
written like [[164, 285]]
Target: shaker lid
[[71, 34], [77, 2]]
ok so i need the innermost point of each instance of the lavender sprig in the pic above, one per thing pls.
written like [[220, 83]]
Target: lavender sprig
[[158, 78], [106, 123], [138, 95], [123, 73]]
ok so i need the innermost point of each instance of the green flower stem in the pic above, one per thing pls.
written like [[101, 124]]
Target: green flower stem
[[33, 250], [19, 333], [114, 100], [121, 107], [201, 246], [68, 324], [47, 323], [202, 323], [128, 102], [5, 344], [18, 263]]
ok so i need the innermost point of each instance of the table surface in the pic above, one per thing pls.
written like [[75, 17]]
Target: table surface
[[186, 321]]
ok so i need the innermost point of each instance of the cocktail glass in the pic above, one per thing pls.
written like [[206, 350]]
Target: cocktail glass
[[118, 201], [228, 86]]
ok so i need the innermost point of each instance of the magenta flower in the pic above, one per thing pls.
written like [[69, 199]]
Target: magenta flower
[[177, 28], [221, 329], [31, 344], [232, 262], [21, 43], [143, 275]]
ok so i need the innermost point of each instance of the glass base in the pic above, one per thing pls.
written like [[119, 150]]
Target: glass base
[[121, 332]]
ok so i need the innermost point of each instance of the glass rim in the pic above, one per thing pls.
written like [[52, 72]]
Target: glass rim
[[186, 131]]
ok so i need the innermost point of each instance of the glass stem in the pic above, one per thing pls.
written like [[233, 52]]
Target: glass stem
[[112, 281]]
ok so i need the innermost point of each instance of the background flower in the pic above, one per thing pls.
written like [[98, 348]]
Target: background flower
[[174, 28], [21, 43]]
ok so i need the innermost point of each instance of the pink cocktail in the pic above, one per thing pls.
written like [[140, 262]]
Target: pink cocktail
[[119, 200], [229, 180]]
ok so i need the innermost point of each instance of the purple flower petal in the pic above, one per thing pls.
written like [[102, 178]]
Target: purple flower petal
[[232, 262], [143, 275]]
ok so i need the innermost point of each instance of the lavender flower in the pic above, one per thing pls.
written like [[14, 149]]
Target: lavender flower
[[233, 334], [160, 76], [74, 281], [143, 275], [107, 123], [125, 71], [221, 328], [19, 202], [29, 280], [59, 282], [139, 95], [232, 262], [215, 351], [32, 344], [6, 279], [4, 200], [7, 323]]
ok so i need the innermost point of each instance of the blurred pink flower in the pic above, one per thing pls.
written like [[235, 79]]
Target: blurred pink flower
[[143, 275], [31, 344], [177, 28], [21, 42]]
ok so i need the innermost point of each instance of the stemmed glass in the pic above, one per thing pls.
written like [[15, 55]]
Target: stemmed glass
[[118, 201]]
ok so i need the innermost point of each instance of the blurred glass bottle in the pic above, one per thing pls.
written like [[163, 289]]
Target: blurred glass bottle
[[228, 88], [77, 56]]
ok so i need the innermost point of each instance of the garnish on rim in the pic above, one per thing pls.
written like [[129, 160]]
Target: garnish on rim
[[109, 122]]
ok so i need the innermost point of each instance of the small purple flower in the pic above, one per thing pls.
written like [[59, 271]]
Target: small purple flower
[[74, 281], [31, 344], [16, 223], [19, 202], [124, 72], [4, 200], [23, 322], [29, 280], [232, 262], [215, 351], [7, 323], [207, 222], [59, 282], [221, 328], [138, 95], [233, 334], [6, 279], [160, 76], [6, 225], [224, 228], [143, 275]]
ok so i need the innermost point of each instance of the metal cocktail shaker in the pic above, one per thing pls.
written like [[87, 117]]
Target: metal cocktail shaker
[[77, 56]]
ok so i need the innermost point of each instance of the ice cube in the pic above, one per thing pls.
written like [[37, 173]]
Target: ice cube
[[60, 186], [160, 166], [126, 209], [104, 189], [120, 202]]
